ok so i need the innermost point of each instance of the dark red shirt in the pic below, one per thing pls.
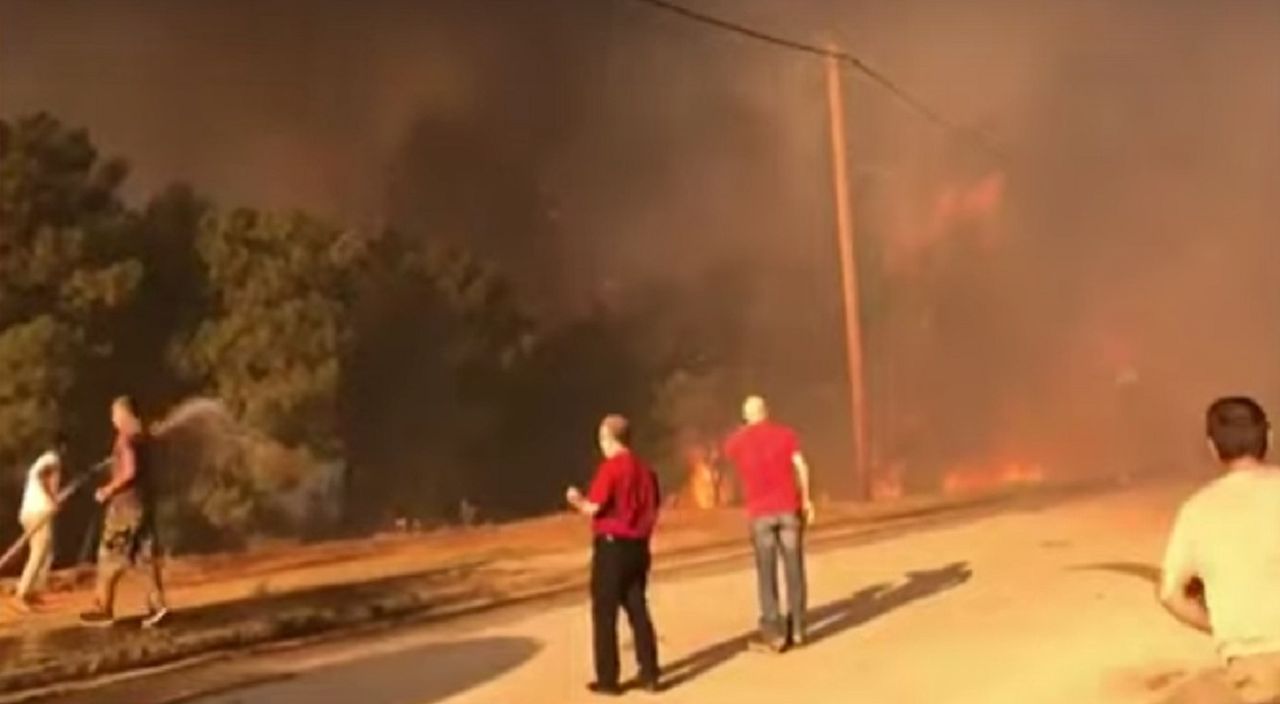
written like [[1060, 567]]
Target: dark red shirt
[[133, 494], [763, 453], [627, 492]]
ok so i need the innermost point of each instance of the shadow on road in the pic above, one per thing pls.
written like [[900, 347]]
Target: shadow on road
[[1209, 686], [1139, 570], [830, 619], [419, 675], [869, 603]]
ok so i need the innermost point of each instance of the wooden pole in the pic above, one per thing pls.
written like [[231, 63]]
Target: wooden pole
[[848, 278]]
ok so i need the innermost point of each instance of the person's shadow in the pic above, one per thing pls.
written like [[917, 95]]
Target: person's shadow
[[829, 619], [1137, 570]]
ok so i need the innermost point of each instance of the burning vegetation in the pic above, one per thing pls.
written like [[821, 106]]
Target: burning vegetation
[[1127, 203], [969, 479]]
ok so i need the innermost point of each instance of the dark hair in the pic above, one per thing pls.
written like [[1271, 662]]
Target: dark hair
[[1237, 426], [618, 427]]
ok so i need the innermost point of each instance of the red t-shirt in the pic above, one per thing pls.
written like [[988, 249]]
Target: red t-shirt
[[627, 492], [763, 454]]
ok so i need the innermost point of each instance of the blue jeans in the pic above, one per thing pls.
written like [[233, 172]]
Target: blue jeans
[[770, 534]]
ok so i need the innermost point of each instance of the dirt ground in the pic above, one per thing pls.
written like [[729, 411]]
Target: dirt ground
[[209, 580], [230, 603], [1041, 604]]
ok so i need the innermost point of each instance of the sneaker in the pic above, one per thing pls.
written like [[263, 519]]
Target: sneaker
[[604, 690], [22, 605], [652, 685], [155, 617], [799, 640], [97, 617], [761, 644]]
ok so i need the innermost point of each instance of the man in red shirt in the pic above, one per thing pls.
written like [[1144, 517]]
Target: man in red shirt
[[775, 486], [623, 505]]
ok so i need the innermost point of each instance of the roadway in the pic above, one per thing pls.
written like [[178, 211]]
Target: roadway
[[1038, 604]]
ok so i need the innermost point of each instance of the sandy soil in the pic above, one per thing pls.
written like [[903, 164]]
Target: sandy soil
[[203, 581], [1036, 606]]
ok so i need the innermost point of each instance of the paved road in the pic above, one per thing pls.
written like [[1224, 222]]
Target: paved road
[[1032, 606]]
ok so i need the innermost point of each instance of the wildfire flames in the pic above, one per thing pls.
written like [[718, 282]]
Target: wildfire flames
[[963, 480], [971, 202], [887, 485], [970, 206], [704, 487]]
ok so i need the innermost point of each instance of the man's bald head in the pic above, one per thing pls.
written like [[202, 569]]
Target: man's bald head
[[615, 434], [124, 415], [616, 427], [754, 409]]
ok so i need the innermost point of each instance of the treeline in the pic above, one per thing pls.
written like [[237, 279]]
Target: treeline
[[401, 366]]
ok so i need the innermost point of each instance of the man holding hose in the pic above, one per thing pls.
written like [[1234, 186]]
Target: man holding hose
[[128, 532]]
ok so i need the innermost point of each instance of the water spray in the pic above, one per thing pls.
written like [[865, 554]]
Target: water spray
[[194, 410]]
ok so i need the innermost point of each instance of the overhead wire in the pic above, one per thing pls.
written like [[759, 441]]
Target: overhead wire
[[977, 138]]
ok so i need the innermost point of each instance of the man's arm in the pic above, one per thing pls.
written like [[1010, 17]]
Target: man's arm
[[580, 503], [48, 478], [802, 482], [1188, 607], [126, 470], [1180, 591], [597, 495]]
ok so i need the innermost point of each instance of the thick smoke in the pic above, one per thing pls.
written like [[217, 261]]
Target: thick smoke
[[594, 147]]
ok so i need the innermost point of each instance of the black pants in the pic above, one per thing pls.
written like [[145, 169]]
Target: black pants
[[619, 578]]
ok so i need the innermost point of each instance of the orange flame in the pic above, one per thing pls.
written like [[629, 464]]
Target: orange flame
[[702, 487], [965, 480], [887, 485], [973, 202]]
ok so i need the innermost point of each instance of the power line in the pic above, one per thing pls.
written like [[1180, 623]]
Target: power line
[[979, 138]]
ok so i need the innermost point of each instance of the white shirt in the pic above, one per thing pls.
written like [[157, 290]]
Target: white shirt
[[1228, 535], [35, 500]]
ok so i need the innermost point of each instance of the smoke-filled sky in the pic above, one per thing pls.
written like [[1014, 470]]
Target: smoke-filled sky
[[1124, 275]]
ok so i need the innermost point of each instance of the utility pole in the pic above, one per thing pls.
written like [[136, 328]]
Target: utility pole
[[848, 278]]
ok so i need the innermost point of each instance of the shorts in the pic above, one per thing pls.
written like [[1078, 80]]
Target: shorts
[[126, 538]]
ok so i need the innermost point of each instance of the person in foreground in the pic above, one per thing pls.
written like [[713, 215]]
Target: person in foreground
[[1222, 564], [775, 485], [128, 532], [39, 502], [623, 505]]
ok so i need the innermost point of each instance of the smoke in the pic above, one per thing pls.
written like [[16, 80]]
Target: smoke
[[1119, 280], [1127, 284]]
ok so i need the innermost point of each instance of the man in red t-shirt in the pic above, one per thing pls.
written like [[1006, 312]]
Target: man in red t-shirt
[[775, 487], [623, 505]]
